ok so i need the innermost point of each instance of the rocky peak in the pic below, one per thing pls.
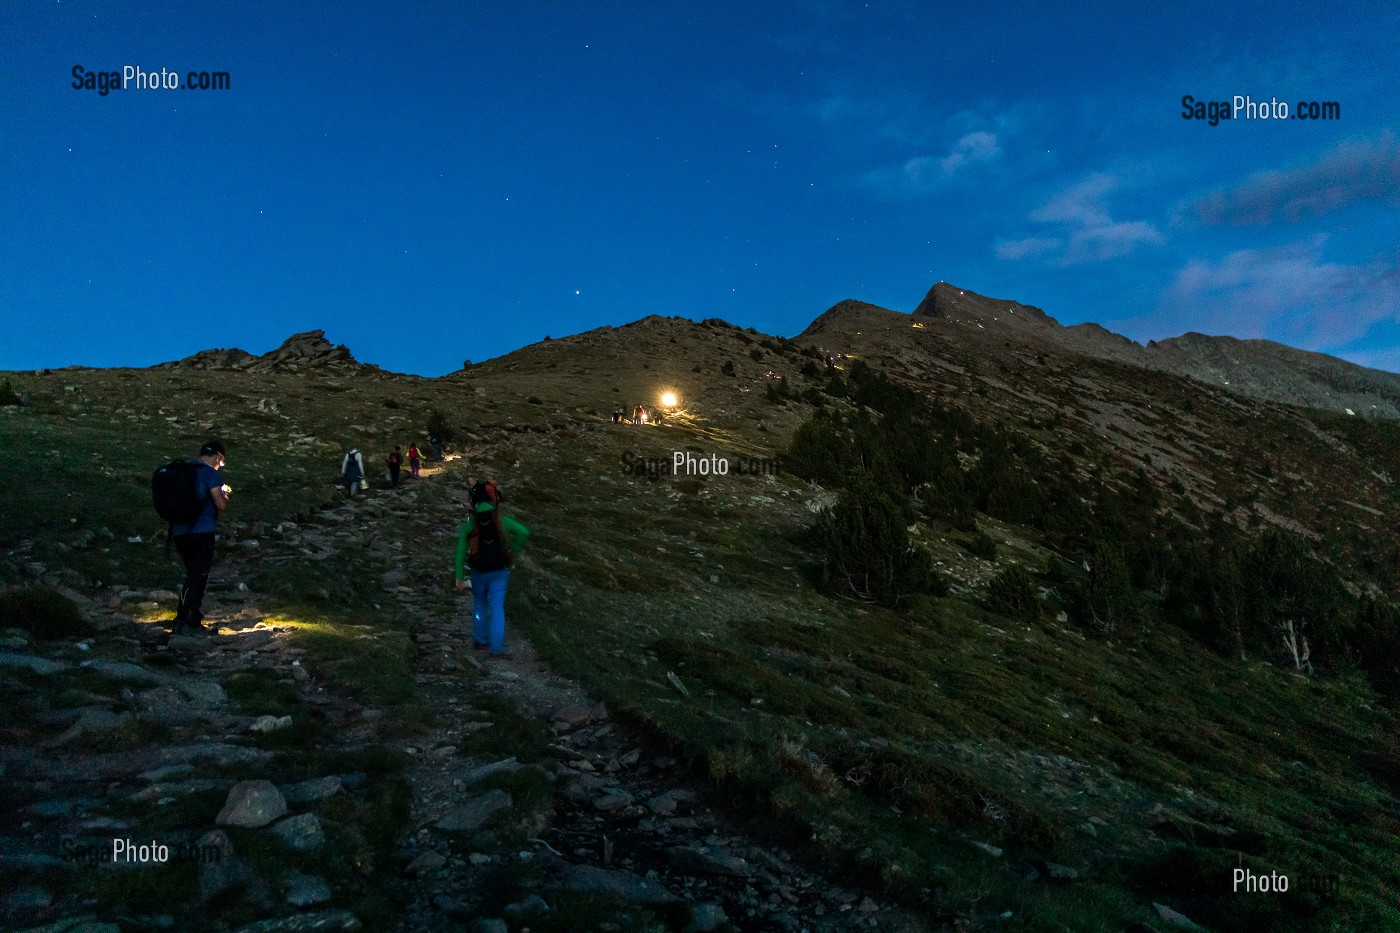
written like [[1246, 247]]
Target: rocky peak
[[310, 347], [842, 313], [947, 301]]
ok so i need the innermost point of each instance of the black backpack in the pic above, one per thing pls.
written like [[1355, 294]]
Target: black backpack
[[488, 549], [175, 492]]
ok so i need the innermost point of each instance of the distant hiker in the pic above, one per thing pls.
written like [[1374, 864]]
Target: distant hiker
[[617, 415], [352, 471], [639, 416], [485, 544], [194, 539], [415, 457], [435, 443], [395, 462]]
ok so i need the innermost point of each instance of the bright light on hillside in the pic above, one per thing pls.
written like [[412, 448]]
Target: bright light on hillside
[[668, 400]]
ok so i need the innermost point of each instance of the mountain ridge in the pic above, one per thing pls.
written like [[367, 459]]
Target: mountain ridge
[[1256, 368]]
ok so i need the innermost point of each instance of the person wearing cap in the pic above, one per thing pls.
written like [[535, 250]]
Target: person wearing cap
[[194, 541]]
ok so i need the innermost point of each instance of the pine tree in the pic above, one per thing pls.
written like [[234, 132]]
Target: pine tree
[[865, 548]]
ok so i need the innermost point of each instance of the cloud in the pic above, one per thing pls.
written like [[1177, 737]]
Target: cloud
[[1356, 171], [923, 174], [1291, 294], [1080, 205], [971, 149], [1087, 231], [1110, 240], [1029, 248]]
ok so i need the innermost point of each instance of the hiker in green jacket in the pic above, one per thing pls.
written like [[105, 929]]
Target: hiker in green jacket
[[485, 544]]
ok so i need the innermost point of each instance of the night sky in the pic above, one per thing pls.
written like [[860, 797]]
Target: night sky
[[433, 182]]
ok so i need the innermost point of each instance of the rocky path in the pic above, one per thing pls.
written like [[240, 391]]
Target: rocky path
[[625, 820], [528, 803]]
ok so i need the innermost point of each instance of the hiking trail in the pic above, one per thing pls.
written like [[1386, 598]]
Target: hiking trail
[[523, 791]]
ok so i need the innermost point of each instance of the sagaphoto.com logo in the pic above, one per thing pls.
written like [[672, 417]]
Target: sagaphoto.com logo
[[1245, 107], [134, 77]]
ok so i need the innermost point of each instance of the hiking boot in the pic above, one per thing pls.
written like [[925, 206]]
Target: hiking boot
[[191, 630], [480, 645]]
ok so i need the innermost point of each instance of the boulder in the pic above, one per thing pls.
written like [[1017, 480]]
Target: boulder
[[426, 862], [534, 904], [504, 766], [665, 804], [252, 804], [320, 921], [88, 924], [40, 666], [305, 890], [706, 917], [620, 884], [92, 721], [302, 833], [474, 814], [221, 870], [614, 798], [312, 790], [708, 861], [122, 671], [1178, 920]]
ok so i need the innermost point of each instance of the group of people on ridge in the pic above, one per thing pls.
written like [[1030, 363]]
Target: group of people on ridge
[[352, 467], [640, 415], [487, 542]]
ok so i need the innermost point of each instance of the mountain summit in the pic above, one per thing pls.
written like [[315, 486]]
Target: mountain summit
[[948, 302], [1257, 368]]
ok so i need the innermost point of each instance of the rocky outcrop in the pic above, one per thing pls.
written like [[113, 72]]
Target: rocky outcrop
[[308, 349], [232, 358]]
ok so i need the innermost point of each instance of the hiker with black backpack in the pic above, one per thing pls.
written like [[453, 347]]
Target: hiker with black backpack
[[352, 471], [486, 543], [190, 494]]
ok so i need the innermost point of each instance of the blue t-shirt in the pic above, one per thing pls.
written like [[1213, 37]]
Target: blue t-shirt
[[208, 478]]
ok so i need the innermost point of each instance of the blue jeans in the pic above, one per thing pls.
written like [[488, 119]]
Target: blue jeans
[[489, 609]]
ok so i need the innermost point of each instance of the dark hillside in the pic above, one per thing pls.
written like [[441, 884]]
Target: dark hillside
[[977, 632]]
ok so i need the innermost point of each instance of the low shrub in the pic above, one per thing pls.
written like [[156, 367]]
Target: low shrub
[[1013, 593]]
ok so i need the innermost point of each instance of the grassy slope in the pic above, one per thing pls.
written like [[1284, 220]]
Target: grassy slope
[[888, 743]]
